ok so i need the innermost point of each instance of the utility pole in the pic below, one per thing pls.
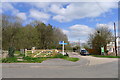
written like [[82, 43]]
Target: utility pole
[[79, 45], [115, 38]]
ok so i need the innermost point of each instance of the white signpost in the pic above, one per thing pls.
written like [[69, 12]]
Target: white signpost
[[62, 42]]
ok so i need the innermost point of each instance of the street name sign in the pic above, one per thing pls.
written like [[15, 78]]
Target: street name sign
[[62, 42]]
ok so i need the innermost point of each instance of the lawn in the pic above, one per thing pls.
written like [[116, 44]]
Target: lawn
[[105, 56]]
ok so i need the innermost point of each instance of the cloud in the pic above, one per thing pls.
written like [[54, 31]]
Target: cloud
[[63, 12], [65, 31], [80, 10], [9, 7], [0, 8], [44, 6], [40, 4], [110, 25], [22, 16], [81, 32], [78, 31], [102, 25], [39, 15]]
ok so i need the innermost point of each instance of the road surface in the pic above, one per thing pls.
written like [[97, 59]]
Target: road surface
[[86, 67]]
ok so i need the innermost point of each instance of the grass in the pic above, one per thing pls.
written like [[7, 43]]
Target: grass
[[103, 56], [34, 60], [59, 56], [17, 52], [71, 59], [9, 60], [66, 58], [25, 60], [37, 59]]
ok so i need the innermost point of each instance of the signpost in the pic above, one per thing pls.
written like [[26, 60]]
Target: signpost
[[62, 42], [102, 50]]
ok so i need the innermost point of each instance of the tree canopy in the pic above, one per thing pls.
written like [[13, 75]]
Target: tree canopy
[[35, 34]]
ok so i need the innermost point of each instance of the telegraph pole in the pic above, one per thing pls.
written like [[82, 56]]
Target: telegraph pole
[[115, 38], [79, 44]]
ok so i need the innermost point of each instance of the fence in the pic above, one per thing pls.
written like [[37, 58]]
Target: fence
[[42, 50]]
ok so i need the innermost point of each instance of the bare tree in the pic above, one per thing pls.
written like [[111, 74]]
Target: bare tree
[[100, 38]]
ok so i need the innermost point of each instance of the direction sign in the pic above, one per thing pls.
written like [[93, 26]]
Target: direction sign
[[65, 43], [61, 42]]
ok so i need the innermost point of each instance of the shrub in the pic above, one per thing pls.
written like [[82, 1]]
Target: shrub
[[11, 52]]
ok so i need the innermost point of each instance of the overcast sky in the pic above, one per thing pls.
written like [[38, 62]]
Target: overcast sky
[[76, 19]]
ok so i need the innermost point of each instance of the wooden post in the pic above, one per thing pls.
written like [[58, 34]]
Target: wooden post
[[115, 39]]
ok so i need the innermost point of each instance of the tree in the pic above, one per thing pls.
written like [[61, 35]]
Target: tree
[[49, 37], [100, 38], [36, 34], [41, 29], [9, 30], [59, 36], [27, 37]]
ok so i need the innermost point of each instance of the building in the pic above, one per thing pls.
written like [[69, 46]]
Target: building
[[118, 47], [111, 47]]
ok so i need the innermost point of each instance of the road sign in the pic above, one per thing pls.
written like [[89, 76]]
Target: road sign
[[61, 42], [65, 43]]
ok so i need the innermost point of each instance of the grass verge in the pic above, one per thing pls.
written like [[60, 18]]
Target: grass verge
[[102, 56], [37, 59], [66, 58], [71, 59]]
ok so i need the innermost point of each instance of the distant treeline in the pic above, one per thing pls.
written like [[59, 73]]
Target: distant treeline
[[35, 34]]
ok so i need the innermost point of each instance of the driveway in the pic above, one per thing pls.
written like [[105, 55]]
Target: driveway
[[86, 67]]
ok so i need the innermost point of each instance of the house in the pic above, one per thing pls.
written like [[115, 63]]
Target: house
[[111, 47]]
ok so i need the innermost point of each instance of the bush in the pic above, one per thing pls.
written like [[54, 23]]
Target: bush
[[66, 54], [11, 52]]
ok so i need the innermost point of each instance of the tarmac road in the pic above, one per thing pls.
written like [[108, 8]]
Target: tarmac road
[[86, 67]]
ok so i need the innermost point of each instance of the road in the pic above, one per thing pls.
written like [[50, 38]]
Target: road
[[86, 67]]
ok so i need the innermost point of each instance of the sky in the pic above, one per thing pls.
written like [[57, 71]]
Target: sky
[[75, 19]]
